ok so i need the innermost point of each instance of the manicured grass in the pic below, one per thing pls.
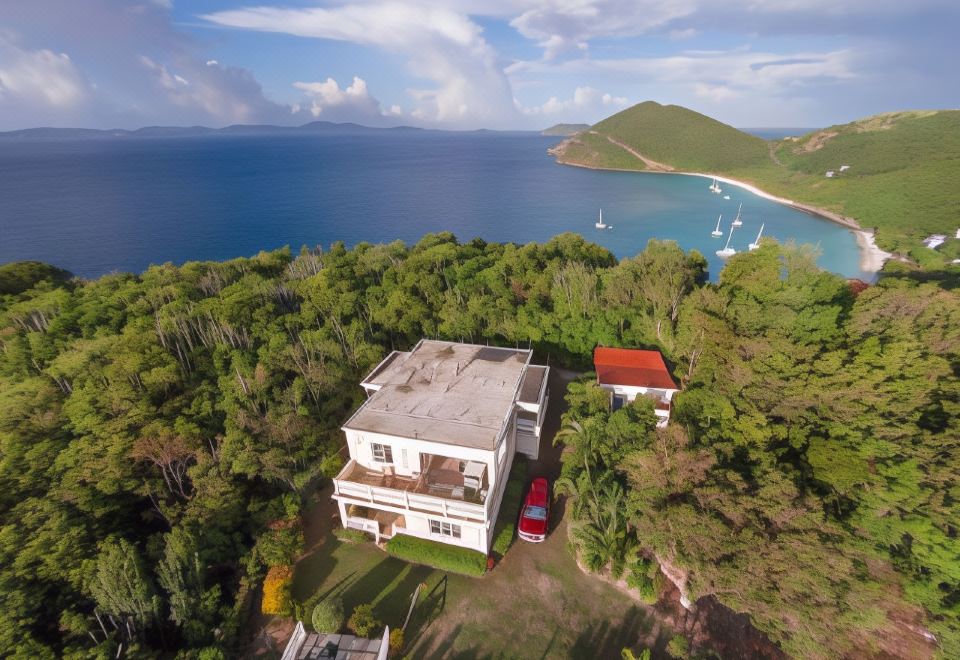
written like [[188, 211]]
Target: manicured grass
[[536, 604], [439, 555], [506, 529]]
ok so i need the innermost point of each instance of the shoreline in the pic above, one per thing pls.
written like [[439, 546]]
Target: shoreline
[[872, 257]]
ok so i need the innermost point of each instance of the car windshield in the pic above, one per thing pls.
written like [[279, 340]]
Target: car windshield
[[535, 512]]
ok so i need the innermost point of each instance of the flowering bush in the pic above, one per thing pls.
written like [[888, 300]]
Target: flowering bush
[[276, 590]]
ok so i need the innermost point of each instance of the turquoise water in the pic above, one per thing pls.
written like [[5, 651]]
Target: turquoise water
[[95, 206]]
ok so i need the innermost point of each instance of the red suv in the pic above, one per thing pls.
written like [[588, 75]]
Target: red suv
[[535, 512]]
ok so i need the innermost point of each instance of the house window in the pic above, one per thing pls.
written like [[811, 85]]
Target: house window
[[444, 529], [381, 453], [403, 458]]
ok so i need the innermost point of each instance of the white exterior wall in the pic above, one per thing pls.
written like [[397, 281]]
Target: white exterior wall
[[471, 536]]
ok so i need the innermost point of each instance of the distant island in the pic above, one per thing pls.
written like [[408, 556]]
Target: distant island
[[312, 128], [895, 172], [565, 130]]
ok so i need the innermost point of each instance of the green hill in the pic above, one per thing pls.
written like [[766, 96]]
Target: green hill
[[565, 130], [902, 175]]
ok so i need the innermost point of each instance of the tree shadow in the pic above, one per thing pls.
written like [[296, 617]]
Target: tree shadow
[[313, 569], [430, 605], [603, 639], [369, 586]]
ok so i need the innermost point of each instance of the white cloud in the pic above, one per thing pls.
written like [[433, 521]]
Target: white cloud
[[561, 26], [327, 95], [584, 104], [222, 94], [39, 77], [716, 74], [439, 45]]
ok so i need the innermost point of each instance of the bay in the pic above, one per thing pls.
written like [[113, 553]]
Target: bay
[[96, 206]]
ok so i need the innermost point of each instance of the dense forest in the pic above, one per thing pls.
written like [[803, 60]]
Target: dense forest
[[159, 432]]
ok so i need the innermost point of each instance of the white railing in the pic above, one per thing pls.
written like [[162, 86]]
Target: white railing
[[408, 501], [364, 525]]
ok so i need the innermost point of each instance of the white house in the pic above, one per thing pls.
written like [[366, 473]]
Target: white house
[[432, 446], [627, 373]]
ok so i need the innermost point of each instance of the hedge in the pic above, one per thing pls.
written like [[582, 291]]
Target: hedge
[[506, 528], [439, 555]]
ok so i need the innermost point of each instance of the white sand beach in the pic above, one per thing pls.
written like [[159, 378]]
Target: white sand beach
[[872, 257]]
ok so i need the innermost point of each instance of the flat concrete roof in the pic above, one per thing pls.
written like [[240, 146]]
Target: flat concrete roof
[[457, 394]]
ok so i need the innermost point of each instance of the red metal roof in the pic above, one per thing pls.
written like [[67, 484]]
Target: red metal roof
[[630, 366]]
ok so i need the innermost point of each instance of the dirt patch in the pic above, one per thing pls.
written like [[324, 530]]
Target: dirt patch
[[817, 140]]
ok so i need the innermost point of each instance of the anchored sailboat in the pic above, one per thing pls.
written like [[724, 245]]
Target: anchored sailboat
[[715, 187], [737, 221], [756, 243], [727, 251], [716, 232], [599, 224]]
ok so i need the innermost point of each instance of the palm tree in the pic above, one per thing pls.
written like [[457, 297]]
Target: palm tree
[[599, 529]]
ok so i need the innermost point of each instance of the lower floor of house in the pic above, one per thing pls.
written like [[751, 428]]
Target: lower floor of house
[[382, 525]]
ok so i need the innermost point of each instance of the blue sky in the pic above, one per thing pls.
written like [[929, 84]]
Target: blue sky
[[468, 64]]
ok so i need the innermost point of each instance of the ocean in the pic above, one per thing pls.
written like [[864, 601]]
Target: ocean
[[120, 204]]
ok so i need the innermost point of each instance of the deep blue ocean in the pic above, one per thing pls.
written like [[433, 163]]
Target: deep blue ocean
[[96, 206]]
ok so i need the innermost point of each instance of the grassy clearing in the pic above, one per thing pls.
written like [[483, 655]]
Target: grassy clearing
[[535, 604]]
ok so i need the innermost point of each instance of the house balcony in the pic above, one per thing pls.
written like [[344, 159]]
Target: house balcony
[[441, 488]]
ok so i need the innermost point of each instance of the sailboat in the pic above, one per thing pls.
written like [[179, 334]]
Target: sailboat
[[737, 221], [715, 187], [756, 243], [599, 224], [727, 251], [716, 232]]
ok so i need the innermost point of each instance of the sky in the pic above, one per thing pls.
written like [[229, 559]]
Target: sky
[[467, 64]]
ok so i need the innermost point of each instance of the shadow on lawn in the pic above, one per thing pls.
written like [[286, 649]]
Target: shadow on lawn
[[313, 570], [605, 639]]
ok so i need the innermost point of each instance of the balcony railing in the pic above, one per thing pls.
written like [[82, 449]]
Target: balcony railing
[[401, 494]]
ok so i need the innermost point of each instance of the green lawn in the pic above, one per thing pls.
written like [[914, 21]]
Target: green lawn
[[536, 603]]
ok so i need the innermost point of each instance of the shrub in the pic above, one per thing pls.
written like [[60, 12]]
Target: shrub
[[678, 647], [362, 622], [327, 616], [396, 641], [276, 591], [644, 577], [282, 543], [439, 555], [351, 535], [505, 531]]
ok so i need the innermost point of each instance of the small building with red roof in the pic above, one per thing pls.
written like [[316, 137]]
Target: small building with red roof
[[628, 372]]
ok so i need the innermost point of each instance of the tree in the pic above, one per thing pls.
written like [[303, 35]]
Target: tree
[[120, 585]]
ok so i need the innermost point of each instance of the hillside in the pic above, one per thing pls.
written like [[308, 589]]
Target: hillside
[[903, 167], [565, 130]]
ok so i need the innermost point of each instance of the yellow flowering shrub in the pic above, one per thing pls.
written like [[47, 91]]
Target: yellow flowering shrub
[[276, 590]]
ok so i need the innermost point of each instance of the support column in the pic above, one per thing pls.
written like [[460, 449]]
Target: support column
[[343, 513]]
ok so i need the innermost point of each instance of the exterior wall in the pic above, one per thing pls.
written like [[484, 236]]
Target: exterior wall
[[470, 536], [631, 392]]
